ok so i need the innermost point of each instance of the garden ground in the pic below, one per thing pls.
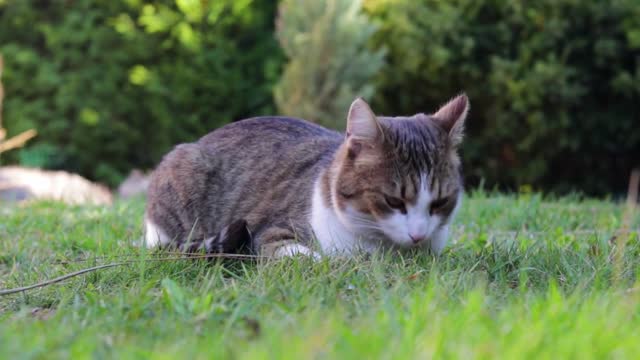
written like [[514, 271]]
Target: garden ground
[[523, 277]]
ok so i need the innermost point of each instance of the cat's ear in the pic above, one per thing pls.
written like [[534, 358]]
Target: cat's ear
[[362, 122], [451, 118]]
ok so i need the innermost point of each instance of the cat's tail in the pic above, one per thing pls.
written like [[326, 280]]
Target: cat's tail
[[233, 239]]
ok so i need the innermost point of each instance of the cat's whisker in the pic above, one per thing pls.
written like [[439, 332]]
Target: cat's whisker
[[363, 221], [368, 226]]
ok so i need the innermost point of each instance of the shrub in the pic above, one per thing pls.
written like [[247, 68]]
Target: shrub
[[329, 64], [110, 85], [554, 84]]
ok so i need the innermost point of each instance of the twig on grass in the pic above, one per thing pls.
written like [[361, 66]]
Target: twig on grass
[[152, 256], [106, 266]]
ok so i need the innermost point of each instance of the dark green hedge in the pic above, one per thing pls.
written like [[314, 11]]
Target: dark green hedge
[[110, 85], [554, 84]]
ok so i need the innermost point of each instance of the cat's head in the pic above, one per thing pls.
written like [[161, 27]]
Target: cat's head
[[400, 176]]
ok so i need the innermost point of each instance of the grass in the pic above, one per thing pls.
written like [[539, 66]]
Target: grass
[[525, 277]]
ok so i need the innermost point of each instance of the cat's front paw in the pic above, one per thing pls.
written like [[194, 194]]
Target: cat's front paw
[[290, 249]]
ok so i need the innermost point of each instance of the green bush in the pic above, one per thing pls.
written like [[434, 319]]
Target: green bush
[[554, 84], [110, 85], [329, 63]]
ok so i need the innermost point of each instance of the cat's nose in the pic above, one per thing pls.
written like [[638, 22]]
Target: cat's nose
[[416, 238]]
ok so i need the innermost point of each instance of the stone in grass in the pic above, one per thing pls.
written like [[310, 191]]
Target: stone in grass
[[136, 184], [20, 184]]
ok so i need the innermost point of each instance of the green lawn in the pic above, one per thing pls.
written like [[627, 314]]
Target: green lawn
[[524, 277]]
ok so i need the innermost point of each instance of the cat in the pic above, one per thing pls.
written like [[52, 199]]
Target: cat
[[279, 186]]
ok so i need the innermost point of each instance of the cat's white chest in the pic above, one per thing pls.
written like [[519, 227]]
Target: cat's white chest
[[332, 235]]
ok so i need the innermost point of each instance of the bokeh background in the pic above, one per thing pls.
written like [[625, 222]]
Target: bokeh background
[[111, 85]]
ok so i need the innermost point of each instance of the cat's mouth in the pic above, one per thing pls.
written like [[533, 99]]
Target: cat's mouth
[[381, 237], [407, 242], [370, 230], [387, 242]]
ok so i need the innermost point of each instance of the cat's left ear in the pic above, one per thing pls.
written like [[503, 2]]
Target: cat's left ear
[[451, 118]]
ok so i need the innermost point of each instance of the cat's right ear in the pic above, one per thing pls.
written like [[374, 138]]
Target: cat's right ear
[[362, 123], [451, 118]]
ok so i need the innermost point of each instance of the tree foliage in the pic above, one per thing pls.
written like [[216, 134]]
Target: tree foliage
[[329, 62], [554, 84], [110, 85]]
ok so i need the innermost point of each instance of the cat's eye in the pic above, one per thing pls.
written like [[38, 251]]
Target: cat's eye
[[345, 194], [394, 202], [438, 205]]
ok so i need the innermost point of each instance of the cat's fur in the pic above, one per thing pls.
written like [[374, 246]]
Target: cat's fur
[[295, 187]]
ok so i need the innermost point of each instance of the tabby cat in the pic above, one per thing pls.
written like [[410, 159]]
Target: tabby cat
[[281, 186]]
